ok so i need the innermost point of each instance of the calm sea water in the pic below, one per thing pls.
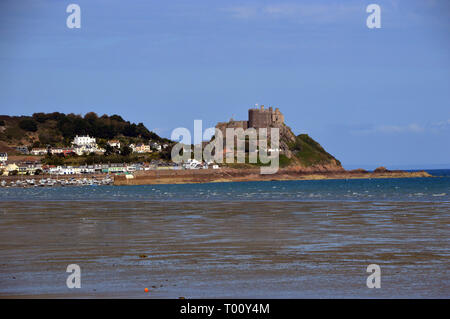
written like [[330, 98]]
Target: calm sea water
[[436, 189], [290, 239]]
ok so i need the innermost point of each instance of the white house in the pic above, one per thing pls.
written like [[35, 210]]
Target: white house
[[38, 151], [87, 170], [69, 170], [86, 145], [3, 157], [84, 141], [54, 170], [156, 146], [131, 168], [62, 170], [114, 143]]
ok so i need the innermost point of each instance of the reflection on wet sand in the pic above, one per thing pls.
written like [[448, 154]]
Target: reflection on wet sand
[[224, 249]]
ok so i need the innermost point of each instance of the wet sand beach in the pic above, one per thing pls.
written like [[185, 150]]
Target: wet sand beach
[[253, 175], [261, 249]]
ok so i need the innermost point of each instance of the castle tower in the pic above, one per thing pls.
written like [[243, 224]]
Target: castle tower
[[259, 118]]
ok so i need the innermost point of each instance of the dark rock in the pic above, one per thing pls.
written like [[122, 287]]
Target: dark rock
[[381, 169]]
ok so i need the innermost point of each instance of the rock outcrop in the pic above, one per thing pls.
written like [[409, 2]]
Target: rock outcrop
[[295, 151]]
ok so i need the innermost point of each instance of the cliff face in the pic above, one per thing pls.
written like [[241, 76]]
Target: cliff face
[[295, 151]]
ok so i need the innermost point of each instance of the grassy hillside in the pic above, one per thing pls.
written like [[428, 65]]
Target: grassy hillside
[[308, 152], [305, 152]]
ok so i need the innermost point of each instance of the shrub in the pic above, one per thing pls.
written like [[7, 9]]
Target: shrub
[[28, 125], [125, 150], [40, 117]]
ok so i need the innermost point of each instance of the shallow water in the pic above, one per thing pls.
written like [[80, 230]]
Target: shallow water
[[267, 249], [435, 189]]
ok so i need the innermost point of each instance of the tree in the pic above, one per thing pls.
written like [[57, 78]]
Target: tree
[[47, 137], [35, 144], [91, 116], [40, 117], [53, 160], [166, 153], [116, 117], [125, 150], [142, 131], [2, 123], [109, 150], [28, 124], [130, 130]]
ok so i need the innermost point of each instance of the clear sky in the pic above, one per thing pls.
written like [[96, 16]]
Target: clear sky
[[370, 96]]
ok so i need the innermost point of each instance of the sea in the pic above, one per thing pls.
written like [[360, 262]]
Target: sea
[[436, 189], [272, 239]]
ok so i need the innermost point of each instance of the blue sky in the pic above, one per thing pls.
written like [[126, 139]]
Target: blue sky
[[370, 96]]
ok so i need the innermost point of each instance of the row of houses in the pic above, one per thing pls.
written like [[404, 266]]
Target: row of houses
[[85, 145], [91, 169], [20, 168], [148, 148], [80, 145], [36, 168]]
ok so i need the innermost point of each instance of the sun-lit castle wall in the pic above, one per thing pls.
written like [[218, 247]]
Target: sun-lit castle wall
[[257, 118]]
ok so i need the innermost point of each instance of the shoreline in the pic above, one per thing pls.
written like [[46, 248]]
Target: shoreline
[[252, 175], [224, 175]]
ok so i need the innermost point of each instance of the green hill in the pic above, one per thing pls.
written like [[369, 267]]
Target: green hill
[[309, 153], [58, 129]]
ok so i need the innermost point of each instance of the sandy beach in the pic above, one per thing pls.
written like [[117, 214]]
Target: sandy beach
[[224, 249], [249, 175]]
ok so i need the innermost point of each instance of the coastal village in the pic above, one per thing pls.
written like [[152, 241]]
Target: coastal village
[[35, 173]]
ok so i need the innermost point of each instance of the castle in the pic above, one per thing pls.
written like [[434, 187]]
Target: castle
[[257, 118]]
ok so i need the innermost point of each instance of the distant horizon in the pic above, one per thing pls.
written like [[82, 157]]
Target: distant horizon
[[371, 167]]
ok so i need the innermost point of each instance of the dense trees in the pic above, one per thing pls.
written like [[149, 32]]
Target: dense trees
[[106, 127], [125, 150], [59, 129], [47, 137], [28, 124]]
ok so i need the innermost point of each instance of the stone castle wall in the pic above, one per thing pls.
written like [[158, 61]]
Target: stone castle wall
[[222, 126], [257, 118]]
